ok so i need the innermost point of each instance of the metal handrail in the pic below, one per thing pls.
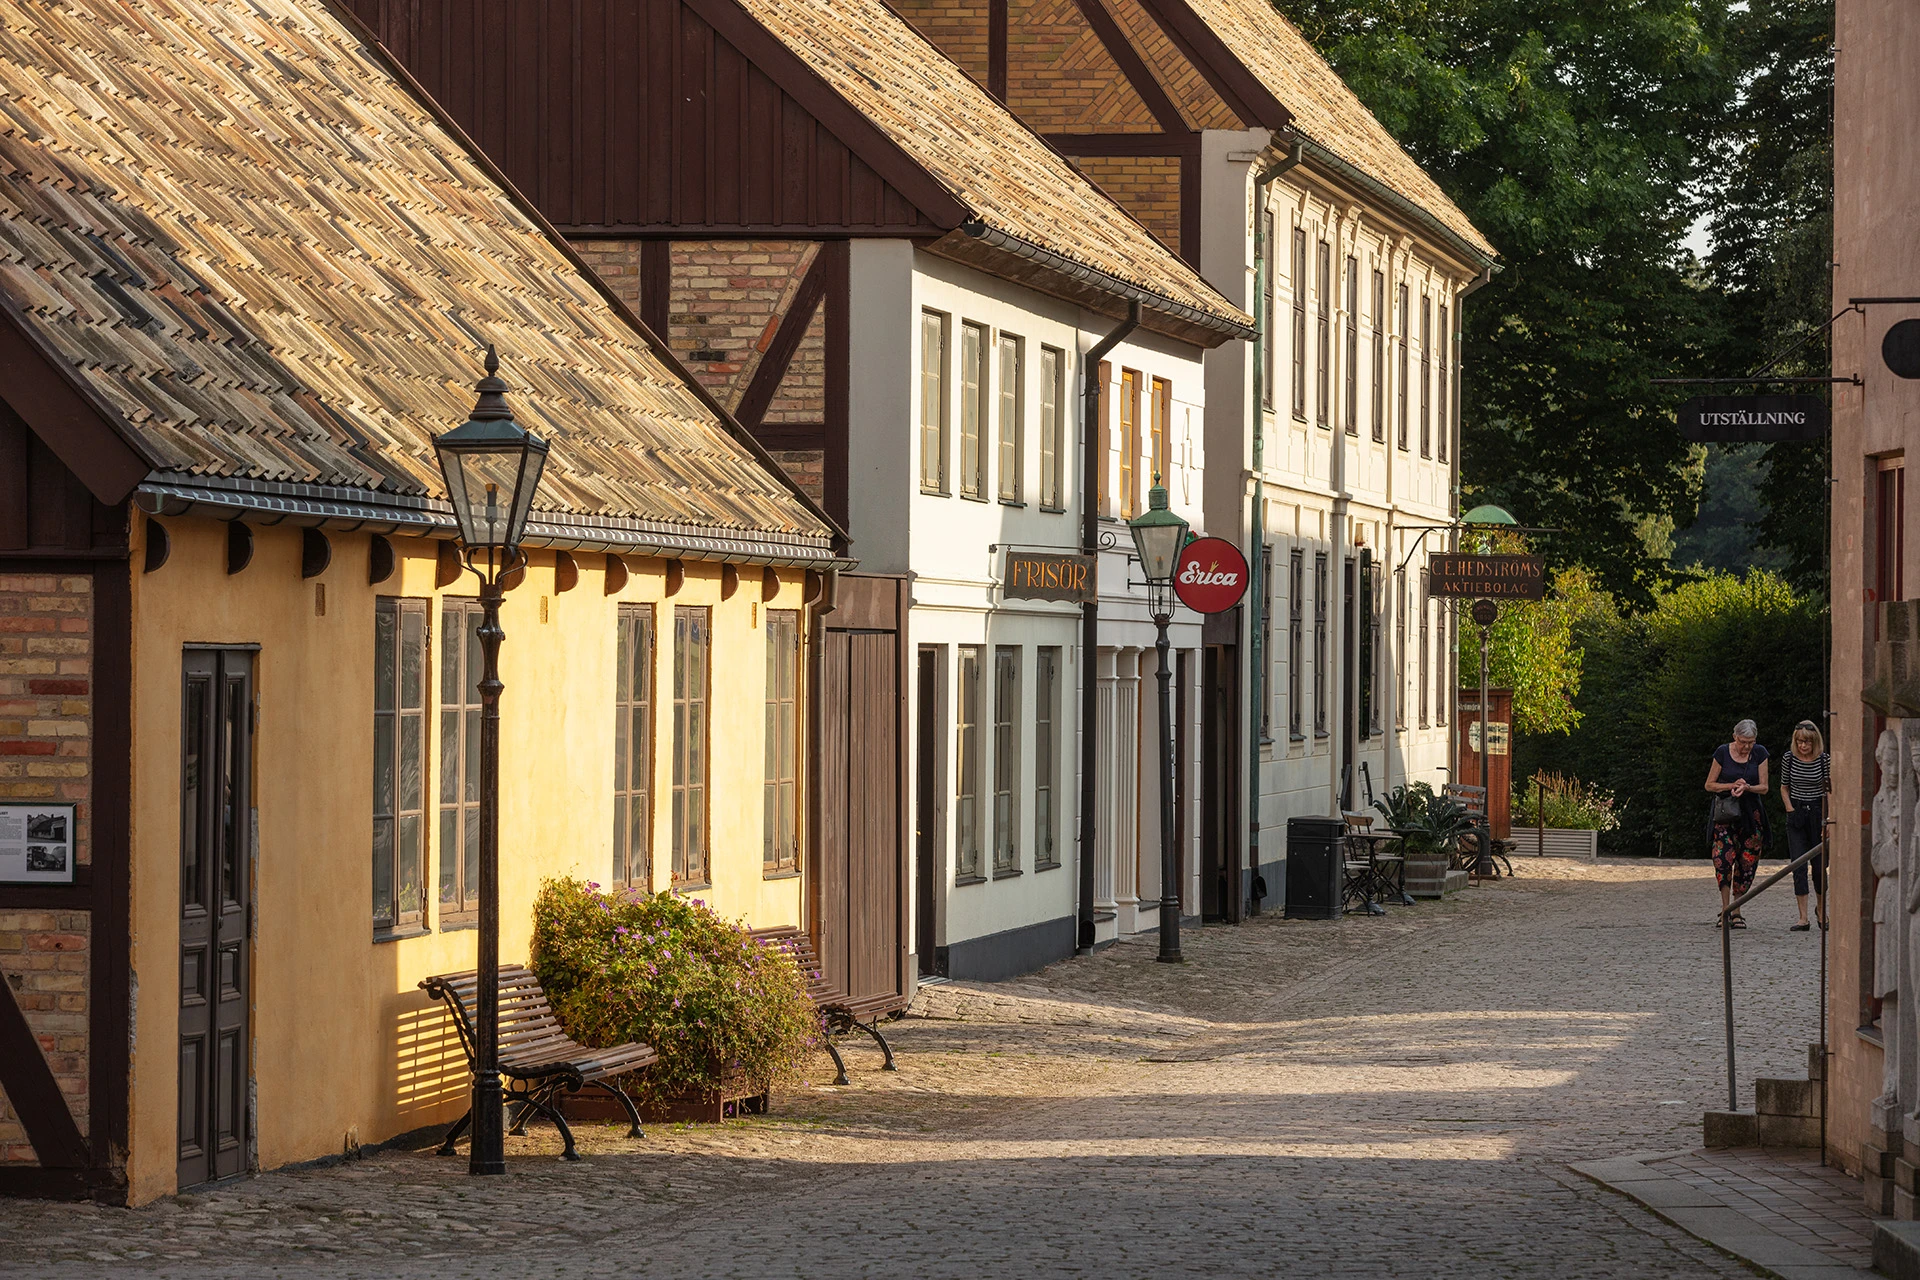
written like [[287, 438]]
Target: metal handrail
[[1726, 975]]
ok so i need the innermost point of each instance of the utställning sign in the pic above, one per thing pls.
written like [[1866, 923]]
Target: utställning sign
[[1732, 419], [1488, 577]]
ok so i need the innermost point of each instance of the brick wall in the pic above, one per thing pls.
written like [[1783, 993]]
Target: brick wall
[[807, 467], [957, 27], [1148, 186], [46, 716], [43, 959]]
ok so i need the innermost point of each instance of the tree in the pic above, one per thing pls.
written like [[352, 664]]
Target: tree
[[1532, 651], [1576, 135], [1772, 231]]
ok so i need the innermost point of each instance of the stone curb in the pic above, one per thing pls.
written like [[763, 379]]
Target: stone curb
[[1697, 1213]]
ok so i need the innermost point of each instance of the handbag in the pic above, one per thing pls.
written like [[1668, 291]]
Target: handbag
[[1725, 809]]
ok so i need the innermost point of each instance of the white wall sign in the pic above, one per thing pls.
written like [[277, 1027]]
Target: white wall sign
[[36, 843]]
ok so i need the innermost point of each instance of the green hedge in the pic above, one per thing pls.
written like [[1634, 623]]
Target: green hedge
[[1660, 690]]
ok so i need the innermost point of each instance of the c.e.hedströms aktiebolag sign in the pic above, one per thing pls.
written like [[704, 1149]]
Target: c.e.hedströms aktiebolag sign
[[1488, 577], [1734, 419]]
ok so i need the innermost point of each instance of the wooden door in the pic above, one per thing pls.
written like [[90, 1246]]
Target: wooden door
[[1220, 875], [216, 855], [858, 864]]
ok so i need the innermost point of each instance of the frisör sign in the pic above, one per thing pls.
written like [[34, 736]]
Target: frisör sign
[[1210, 576]]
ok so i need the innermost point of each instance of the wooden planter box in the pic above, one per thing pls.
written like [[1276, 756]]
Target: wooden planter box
[[727, 1103], [1558, 843]]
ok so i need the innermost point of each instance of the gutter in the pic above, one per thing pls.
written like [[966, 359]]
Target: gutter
[[269, 503], [1091, 460], [1134, 295], [1256, 548]]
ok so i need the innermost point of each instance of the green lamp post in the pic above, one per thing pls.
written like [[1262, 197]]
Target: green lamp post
[[1158, 536]]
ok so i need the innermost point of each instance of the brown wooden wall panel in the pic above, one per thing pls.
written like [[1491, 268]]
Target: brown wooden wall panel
[[44, 508], [634, 115]]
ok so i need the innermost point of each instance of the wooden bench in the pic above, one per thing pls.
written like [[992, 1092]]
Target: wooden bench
[[537, 1059], [838, 1014]]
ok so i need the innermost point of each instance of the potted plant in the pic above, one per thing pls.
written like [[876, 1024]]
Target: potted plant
[[728, 1014], [1428, 825], [1560, 817]]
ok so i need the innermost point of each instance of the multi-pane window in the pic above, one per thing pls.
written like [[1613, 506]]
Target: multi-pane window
[[1400, 648], [1053, 428], [1352, 379], [1426, 376], [460, 672], [1445, 664], [400, 665], [1426, 616], [933, 402], [1129, 439], [1379, 357], [1323, 347], [1266, 637], [1296, 642], [1446, 363], [967, 762], [1013, 424], [692, 678], [1006, 758], [1300, 323], [1320, 644], [780, 834], [1270, 253], [1102, 441], [1160, 418], [633, 748], [1046, 754], [1376, 602], [973, 410], [1400, 391]]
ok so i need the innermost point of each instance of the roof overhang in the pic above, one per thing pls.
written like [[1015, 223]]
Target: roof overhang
[[345, 510], [988, 249], [1318, 155]]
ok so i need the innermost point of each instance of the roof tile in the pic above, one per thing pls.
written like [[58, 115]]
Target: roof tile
[[248, 238]]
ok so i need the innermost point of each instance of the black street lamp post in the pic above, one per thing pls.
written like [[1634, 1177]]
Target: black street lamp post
[[492, 467], [1158, 535]]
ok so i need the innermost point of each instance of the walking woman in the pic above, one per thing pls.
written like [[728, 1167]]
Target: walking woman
[[1737, 819], [1804, 783]]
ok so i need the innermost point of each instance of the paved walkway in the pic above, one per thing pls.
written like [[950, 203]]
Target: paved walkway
[[1384, 1097]]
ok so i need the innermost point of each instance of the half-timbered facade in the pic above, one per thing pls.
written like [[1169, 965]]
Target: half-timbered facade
[[237, 653], [891, 281], [1218, 125]]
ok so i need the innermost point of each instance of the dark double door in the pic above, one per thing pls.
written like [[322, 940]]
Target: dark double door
[[216, 862]]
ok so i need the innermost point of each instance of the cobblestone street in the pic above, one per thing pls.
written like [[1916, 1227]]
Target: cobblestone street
[[1396, 1097]]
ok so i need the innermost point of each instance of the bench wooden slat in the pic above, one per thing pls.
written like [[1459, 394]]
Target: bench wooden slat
[[532, 1042]]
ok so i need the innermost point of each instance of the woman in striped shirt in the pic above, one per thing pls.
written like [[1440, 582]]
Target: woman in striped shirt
[[1805, 783]]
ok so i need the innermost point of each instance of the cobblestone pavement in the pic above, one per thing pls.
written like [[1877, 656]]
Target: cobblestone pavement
[[1383, 1097]]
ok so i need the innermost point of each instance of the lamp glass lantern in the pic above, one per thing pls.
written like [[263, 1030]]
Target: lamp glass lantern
[[492, 467], [1158, 536]]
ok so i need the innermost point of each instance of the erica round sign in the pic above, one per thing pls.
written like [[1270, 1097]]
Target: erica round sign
[[1210, 576]]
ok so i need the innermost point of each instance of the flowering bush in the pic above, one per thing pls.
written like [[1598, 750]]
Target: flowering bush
[[714, 1001], [1570, 804]]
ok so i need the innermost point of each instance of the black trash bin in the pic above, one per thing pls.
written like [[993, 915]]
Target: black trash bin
[[1313, 867]]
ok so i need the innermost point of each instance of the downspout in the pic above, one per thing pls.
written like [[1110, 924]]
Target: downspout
[[1453, 540], [1090, 463], [1256, 558]]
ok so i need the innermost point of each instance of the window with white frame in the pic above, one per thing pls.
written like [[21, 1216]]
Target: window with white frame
[[1012, 434], [1006, 759], [967, 766], [933, 402], [1053, 428], [1046, 756], [973, 410]]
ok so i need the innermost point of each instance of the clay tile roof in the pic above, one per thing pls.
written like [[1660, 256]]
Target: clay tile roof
[[974, 147], [1324, 110], [253, 244]]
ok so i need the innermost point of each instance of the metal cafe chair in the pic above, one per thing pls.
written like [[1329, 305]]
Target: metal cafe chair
[[1360, 883]]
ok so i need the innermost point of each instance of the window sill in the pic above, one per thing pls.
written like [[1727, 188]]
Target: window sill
[[400, 935], [1052, 510], [934, 493], [1871, 1034], [1297, 736], [1012, 502], [974, 497], [793, 873], [961, 881], [702, 887], [1321, 735], [1007, 873], [1038, 867], [456, 924]]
